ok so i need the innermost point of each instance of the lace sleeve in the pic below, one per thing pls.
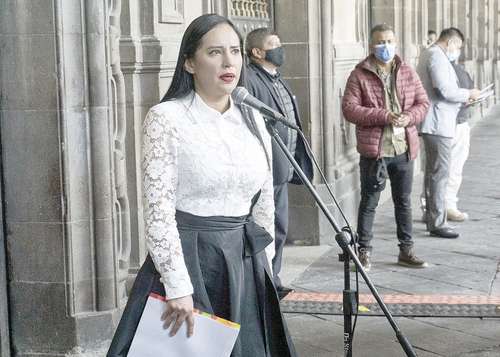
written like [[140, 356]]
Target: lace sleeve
[[159, 165], [263, 210]]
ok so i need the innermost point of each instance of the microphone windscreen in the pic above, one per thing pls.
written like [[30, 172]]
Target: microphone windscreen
[[239, 94]]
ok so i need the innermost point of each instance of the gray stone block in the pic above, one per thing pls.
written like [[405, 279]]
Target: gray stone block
[[36, 252], [291, 19], [76, 165], [31, 166], [27, 17], [74, 90], [95, 330], [80, 245], [442, 340], [40, 321], [297, 60], [101, 161], [71, 17], [42, 325], [303, 225], [24, 85]]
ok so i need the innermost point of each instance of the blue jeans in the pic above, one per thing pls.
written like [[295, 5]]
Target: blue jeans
[[400, 173]]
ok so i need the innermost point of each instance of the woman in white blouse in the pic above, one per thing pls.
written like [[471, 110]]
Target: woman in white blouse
[[208, 201]]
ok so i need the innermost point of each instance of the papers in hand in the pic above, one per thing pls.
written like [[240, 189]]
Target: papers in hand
[[488, 88], [213, 336], [485, 93]]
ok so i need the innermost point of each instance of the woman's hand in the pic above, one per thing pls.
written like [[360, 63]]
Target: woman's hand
[[179, 310]]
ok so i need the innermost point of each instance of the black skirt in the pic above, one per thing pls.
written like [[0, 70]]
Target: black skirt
[[230, 274]]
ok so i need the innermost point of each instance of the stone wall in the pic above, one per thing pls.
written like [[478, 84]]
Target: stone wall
[[77, 78]]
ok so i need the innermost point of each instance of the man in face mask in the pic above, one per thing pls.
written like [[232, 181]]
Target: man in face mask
[[264, 81], [438, 128], [385, 99]]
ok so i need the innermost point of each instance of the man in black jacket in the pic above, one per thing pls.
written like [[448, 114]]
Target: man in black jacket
[[263, 81]]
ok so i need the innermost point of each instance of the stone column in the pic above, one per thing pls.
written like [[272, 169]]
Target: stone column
[[435, 15], [60, 188], [150, 34], [423, 25], [403, 16], [297, 23], [4, 307], [323, 41], [138, 58], [350, 39], [446, 13], [482, 60], [496, 48], [411, 16]]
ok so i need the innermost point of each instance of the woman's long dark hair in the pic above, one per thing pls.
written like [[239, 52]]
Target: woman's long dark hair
[[183, 82]]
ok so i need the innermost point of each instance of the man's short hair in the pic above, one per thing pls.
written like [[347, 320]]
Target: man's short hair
[[380, 28], [431, 32], [449, 33], [256, 39]]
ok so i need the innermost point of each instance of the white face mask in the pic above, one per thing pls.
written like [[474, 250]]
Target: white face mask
[[453, 55], [453, 51]]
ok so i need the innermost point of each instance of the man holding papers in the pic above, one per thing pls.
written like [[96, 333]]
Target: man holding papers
[[438, 128]]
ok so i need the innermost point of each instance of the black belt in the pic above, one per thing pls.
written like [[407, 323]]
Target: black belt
[[256, 237]]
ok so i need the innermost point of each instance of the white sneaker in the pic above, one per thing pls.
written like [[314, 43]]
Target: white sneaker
[[455, 215]]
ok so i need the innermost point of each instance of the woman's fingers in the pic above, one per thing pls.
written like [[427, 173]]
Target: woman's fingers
[[166, 313], [190, 324], [177, 324], [171, 317], [177, 311]]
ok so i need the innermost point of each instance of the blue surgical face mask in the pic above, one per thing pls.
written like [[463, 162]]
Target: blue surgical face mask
[[453, 55], [385, 52]]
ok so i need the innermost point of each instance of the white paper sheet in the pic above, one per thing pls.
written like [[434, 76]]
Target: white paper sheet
[[482, 97], [212, 337], [487, 88]]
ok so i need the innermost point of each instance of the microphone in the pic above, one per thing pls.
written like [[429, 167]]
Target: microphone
[[241, 96]]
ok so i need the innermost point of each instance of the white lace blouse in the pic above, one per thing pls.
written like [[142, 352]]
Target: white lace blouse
[[199, 161]]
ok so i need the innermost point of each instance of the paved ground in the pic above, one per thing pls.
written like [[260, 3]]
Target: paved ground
[[468, 267]]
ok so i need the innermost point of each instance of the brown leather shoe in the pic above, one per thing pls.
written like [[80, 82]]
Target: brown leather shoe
[[364, 258], [408, 259]]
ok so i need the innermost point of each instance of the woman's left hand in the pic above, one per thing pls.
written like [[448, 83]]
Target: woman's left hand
[[178, 311]]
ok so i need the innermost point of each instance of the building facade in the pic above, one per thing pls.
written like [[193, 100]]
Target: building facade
[[77, 78]]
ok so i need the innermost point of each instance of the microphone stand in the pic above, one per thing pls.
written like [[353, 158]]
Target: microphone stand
[[344, 241]]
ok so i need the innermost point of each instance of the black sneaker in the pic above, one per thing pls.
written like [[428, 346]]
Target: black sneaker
[[364, 258], [408, 259]]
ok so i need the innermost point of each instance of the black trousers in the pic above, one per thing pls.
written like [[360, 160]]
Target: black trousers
[[400, 173], [280, 228]]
